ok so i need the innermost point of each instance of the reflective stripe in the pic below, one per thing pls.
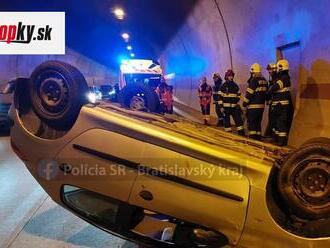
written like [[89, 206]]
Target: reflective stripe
[[217, 93], [229, 95], [252, 132], [283, 134], [246, 100], [251, 91], [284, 90], [258, 133], [219, 102], [240, 128], [256, 106], [286, 102], [260, 89], [280, 83], [263, 82], [228, 129], [229, 105]]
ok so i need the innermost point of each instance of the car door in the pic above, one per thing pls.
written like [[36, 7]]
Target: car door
[[192, 190], [94, 161]]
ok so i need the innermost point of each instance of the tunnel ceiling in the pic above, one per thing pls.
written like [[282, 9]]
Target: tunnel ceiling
[[92, 30]]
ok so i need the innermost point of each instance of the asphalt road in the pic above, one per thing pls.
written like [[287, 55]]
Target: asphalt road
[[30, 219]]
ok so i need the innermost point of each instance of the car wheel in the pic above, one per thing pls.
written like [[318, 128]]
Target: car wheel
[[139, 97], [304, 181], [322, 140], [138, 102], [57, 91]]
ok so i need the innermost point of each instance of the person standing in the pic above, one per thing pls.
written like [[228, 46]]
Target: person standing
[[272, 71], [165, 94], [205, 95], [281, 103], [229, 98], [216, 97], [254, 101]]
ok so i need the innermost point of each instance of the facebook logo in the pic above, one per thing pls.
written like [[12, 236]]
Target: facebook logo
[[48, 169]]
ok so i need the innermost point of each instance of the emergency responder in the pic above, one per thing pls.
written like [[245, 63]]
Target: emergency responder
[[229, 98], [272, 71], [205, 95], [281, 103], [216, 97], [165, 94], [254, 101]]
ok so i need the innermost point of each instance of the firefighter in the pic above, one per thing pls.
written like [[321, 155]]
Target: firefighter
[[272, 71], [216, 98], [229, 98], [281, 103], [205, 95], [254, 101], [165, 94]]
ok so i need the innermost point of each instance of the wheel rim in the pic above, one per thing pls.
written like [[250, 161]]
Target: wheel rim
[[311, 182], [53, 92], [138, 102]]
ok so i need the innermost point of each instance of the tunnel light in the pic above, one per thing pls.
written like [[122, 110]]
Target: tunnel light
[[129, 48], [125, 36], [132, 55], [119, 13]]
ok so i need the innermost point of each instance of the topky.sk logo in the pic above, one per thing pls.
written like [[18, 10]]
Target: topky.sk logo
[[32, 33]]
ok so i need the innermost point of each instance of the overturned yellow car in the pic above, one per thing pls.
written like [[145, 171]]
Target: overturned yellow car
[[163, 181]]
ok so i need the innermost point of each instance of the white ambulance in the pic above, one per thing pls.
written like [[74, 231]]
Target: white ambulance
[[139, 79]]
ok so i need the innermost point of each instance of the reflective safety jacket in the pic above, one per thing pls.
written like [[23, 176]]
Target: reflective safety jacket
[[281, 90], [256, 93], [272, 81], [229, 95], [205, 94], [216, 90], [165, 93]]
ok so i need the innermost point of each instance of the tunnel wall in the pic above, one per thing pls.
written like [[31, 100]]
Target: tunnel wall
[[12, 66], [258, 31]]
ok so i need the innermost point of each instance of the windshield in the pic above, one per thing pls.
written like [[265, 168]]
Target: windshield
[[152, 80]]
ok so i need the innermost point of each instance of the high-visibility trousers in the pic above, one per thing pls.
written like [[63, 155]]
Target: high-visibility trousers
[[236, 114], [281, 128], [254, 119], [219, 112], [206, 110], [270, 125]]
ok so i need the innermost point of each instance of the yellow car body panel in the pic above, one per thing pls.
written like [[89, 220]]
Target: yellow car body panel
[[232, 200]]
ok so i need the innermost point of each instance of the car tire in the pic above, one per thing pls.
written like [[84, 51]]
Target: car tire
[[142, 93], [304, 181], [57, 92], [317, 140]]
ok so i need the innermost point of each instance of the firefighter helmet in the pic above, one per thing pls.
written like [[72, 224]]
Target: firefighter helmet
[[271, 67], [282, 65], [255, 68], [229, 73]]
